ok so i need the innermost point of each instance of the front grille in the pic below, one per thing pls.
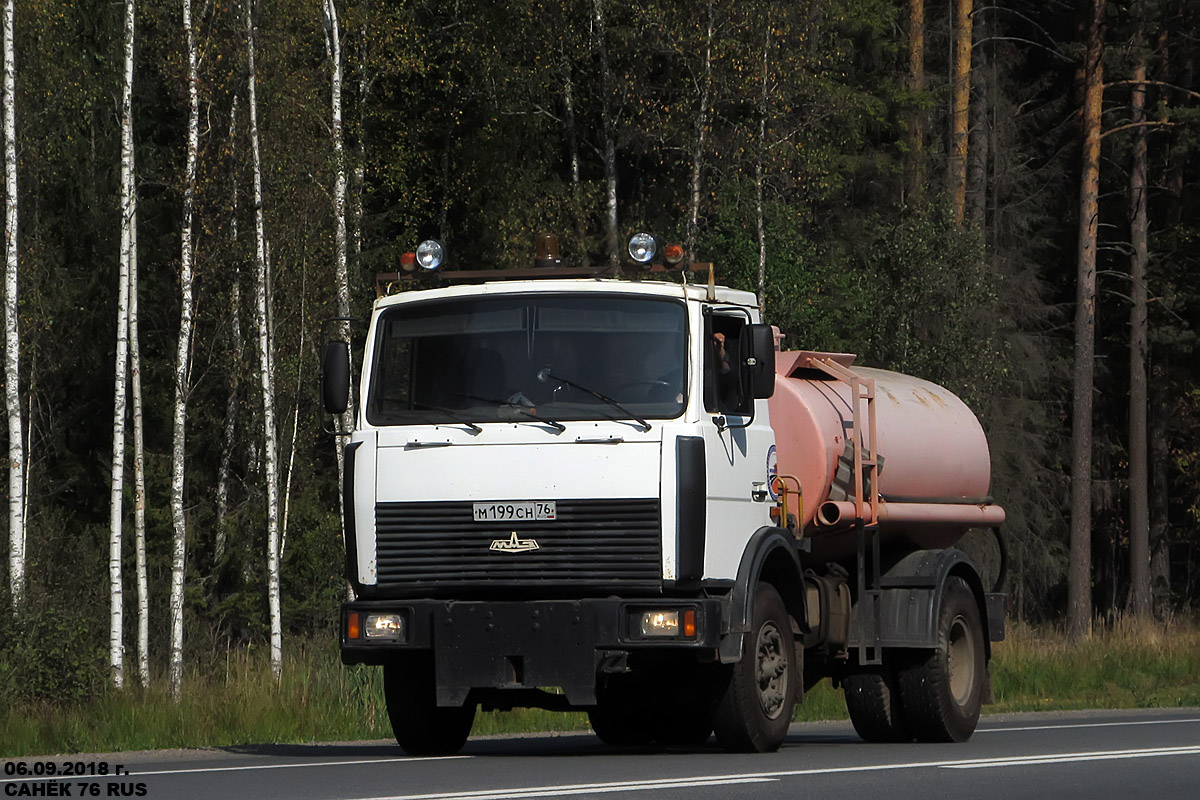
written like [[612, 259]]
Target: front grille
[[593, 544]]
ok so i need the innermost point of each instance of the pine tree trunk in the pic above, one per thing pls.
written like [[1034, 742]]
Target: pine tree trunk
[[182, 368], [1139, 500], [979, 135], [960, 111], [1079, 571], [915, 167], [12, 343], [1160, 460], [266, 362], [698, 142], [610, 136]]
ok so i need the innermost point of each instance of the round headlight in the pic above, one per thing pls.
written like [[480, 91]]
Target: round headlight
[[642, 247], [430, 254]]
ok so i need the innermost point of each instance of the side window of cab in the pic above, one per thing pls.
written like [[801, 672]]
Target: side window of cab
[[723, 390]]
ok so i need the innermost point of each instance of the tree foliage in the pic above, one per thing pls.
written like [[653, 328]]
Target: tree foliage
[[465, 120]]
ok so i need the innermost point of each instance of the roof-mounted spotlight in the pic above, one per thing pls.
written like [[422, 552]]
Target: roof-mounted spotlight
[[673, 254], [430, 254], [642, 248]]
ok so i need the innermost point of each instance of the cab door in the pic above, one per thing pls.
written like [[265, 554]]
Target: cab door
[[738, 444]]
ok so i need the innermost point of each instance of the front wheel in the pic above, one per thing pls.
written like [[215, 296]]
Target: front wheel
[[621, 716], [755, 709], [943, 693], [421, 727]]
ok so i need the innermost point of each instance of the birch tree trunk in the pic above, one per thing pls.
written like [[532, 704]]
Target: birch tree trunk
[[12, 344], [1139, 488], [291, 464], [182, 368], [129, 218], [610, 135], [1079, 571], [698, 143], [573, 152], [360, 166], [960, 110], [266, 361], [139, 456], [341, 273], [235, 326], [759, 169], [116, 647]]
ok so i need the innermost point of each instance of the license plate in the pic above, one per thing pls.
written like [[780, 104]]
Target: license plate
[[515, 512]]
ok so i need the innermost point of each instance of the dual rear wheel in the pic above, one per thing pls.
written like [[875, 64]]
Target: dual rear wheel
[[931, 696]]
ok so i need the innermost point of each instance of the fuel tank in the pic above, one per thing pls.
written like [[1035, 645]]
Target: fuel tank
[[934, 466]]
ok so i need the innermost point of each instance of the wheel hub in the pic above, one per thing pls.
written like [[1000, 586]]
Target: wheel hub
[[772, 670], [960, 656]]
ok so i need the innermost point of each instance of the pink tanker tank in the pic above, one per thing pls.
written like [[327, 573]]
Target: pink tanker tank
[[934, 469]]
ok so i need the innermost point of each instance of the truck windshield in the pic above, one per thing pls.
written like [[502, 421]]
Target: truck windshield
[[499, 358]]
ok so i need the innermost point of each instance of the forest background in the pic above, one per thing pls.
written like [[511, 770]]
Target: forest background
[[949, 189]]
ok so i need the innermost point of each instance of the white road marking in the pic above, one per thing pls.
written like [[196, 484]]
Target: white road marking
[[525, 792], [134, 773], [1075, 758], [1069, 725], [593, 788], [588, 788]]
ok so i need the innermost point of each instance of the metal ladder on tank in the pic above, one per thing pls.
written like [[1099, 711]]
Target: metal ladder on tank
[[866, 502]]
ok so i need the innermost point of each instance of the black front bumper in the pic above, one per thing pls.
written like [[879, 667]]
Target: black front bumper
[[528, 644]]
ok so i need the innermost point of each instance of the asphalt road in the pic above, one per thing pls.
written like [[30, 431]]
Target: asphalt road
[[1096, 754]]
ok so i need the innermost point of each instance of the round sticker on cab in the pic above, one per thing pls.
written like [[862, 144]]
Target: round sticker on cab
[[772, 471]]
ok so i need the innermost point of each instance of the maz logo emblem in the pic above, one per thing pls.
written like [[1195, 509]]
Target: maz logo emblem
[[514, 545]]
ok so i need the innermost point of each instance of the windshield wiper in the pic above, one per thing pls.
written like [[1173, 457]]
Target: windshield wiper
[[525, 412], [454, 415], [506, 406], [544, 375]]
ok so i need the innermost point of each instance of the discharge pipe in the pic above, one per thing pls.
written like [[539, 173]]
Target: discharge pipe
[[841, 514]]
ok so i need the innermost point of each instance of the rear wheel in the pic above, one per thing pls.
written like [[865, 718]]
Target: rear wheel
[[755, 709], [873, 700], [421, 727], [943, 693]]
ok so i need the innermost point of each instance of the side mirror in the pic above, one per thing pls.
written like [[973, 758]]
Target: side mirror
[[758, 360], [335, 377]]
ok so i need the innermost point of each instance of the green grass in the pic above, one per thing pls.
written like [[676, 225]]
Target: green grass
[[318, 699], [1129, 665]]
